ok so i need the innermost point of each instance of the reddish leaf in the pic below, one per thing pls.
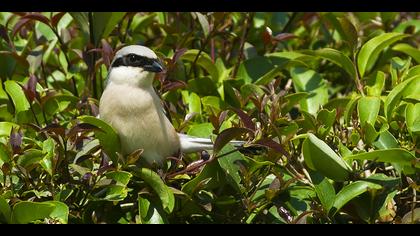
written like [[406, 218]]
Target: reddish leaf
[[104, 166], [178, 53], [266, 142], [38, 17], [107, 52], [19, 13], [78, 52], [267, 36], [283, 37], [244, 118], [94, 109], [173, 85], [56, 18], [3, 33], [82, 127], [227, 135], [214, 120], [222, 116], [22, 22], [15, 141], [30, 88], [54, 128]]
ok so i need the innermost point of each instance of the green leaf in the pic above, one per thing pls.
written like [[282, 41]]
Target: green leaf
[[370, 51], [148, 212], [204, 61], [82, 21], [104, 23], [25, 212], [4, 155], [269, 76], [121, 177], [6, 128], [107, 136], [113, 193], [292, 99], [203, 86], [351, 191], [368, 109], [409, 50], [324, 190], [194, 103], [48, 147], [348, 112], [320, 157], [404, 24], [337, 58], [211, 172], [369, 133], [326, 117], [348, 32], [386, 141], [204, 23], [155, 182], [345, 29], [5, 210], [60, 211], [228, 164], [58, 103], [255, 68], [394, 155], [376, 85], [306, 80], [412, 118], [31, 156], [394, 97], [202, 130], [326, 120], [18, 96], [250, 90]]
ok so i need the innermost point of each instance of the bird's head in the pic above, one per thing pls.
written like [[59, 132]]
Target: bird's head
[[134, 65]]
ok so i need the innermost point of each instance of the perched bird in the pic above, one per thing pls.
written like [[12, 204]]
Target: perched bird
[[131, 106]]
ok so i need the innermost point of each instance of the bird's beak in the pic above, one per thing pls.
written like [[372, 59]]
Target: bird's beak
[[156, 67]]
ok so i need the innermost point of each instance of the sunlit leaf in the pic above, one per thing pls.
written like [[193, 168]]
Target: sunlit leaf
[[203, 60], [320, 157], [26, 212], [306, 80], [369, 52], [409, 50], [107, 136], [351, 191], [155, 182], [368, 109], [395, 95]]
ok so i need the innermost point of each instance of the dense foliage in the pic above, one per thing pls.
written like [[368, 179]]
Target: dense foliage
[[328, 104]]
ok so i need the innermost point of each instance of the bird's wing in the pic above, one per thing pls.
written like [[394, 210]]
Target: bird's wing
[[194, 144]]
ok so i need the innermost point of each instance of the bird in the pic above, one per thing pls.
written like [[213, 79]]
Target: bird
[[131, 106]]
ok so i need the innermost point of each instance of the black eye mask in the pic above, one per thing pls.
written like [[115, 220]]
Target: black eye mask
[[148, 64]]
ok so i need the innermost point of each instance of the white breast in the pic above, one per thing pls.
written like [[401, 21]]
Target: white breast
[[137, 116]]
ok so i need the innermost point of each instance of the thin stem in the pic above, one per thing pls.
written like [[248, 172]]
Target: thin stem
[[33, 113], [92, 57], [358, 81], [64, 48], [192, 168], [247, 25]]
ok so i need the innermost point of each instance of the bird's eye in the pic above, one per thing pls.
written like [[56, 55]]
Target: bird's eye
[[133, 58]]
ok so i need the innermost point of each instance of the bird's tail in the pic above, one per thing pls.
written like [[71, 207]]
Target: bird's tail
[[194, 144]]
